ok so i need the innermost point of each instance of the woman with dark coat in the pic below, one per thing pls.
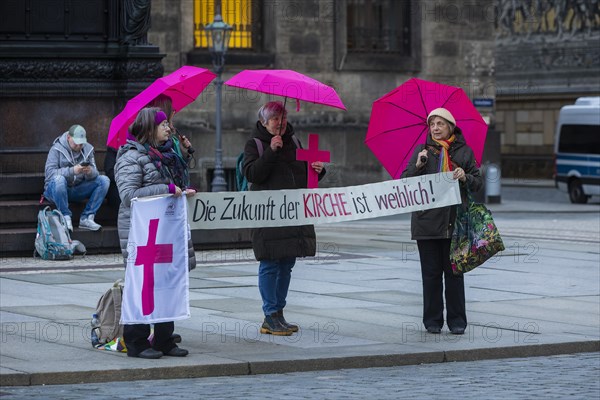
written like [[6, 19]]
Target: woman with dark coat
[[445, 150], [149, 166], [277, 248]]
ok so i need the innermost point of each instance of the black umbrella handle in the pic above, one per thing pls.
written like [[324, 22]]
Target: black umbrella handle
[[190, 149]]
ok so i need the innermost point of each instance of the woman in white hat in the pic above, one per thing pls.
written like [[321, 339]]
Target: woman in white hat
[[445, 150]]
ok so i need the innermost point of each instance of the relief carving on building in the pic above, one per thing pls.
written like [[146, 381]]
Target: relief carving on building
[[557, 20], [36, 70], [548, 43]]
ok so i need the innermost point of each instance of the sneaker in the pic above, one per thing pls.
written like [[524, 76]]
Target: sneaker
[[89, 223], [273, 326], [291, 327], [69, 223]]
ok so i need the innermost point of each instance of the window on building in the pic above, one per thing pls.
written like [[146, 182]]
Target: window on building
[[377, 35], [237, 13], [378, 26]]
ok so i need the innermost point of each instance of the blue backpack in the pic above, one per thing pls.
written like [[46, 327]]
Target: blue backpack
[[53, 241], [241, 182]]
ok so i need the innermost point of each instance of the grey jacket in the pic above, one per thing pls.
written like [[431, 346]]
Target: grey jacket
[[61, 160], [438, 223], [136, 176]]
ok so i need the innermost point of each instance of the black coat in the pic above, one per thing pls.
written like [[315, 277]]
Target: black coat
[[273, 171], [438, 223]]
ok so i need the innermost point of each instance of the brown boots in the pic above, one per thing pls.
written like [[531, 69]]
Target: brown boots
[[275, 324], [291, 327]]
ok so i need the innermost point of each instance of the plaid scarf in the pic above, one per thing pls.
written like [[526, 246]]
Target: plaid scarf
[[169, 163], [445, 162]]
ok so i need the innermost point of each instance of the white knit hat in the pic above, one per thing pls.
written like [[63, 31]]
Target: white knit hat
[[442, 112]]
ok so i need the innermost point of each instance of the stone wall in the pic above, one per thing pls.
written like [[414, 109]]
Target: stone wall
[[64, 63]]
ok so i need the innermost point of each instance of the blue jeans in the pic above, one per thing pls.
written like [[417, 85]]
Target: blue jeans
[[61, 194], [273, 282]]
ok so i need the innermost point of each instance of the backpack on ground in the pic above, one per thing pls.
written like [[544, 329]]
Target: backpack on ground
[[52, 241], [241, 182], [108, 310]]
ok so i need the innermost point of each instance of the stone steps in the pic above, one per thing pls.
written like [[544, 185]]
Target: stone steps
[[18, 242], [20, 202], [16, 212]]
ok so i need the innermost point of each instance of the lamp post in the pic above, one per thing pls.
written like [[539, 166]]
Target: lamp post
[[217, 36]]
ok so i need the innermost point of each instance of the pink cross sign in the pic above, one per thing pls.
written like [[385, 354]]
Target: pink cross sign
[[311, 155], [147, 256]]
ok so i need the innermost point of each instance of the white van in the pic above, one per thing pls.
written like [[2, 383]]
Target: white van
[[577, 149]]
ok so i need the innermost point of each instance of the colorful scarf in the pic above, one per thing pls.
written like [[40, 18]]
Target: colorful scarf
[[445, 163], [169, 163]]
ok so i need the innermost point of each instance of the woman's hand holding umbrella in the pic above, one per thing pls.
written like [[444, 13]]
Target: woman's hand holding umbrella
[[421, 159], [276, 142]]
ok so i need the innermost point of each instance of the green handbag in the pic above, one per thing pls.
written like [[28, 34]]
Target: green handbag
[[475, 238]]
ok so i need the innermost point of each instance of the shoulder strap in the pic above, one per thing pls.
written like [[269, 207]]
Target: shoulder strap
[[296, 142], [259, 146]]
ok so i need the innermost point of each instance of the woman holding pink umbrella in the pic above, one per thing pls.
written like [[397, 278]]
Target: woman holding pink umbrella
[[270, 164], [148, 166], [445, 150]]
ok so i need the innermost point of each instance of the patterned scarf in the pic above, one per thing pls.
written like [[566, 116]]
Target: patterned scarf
[[170, 165], [445, 163]]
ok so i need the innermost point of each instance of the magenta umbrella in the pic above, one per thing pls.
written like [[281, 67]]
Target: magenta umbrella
[[288, 84], [183, 87], [399, 121]]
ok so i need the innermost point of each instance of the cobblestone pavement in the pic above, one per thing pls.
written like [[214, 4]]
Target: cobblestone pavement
[[574, 376]]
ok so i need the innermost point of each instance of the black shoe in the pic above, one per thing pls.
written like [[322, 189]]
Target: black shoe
[[457, 331], [148, 353], [176, 352], [176, 338], [434, 329], [273, 326], [291, 327]]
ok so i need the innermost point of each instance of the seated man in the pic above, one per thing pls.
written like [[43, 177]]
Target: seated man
[[71, 175]]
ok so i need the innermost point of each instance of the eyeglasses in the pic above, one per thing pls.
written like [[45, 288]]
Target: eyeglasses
[[165, 125]]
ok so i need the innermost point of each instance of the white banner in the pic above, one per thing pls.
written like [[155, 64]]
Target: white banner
[[269, 208], [156, 278]]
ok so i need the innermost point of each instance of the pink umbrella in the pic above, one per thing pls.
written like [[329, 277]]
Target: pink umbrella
[[287, 83], [399, 121], [183, 87]]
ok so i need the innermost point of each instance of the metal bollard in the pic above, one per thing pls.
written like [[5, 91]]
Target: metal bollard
[[492, 183]]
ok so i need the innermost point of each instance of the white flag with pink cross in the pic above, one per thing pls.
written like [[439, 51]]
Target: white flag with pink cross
[[156, 279]]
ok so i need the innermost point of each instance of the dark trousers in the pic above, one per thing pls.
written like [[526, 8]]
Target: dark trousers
[[435, 263], [136, 337]]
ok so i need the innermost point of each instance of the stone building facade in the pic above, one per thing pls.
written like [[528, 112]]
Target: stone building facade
[[547, 55], [362, 48]]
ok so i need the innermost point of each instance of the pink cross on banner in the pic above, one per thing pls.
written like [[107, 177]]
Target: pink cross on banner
[[148, 256], [311, 155], [156, 278]]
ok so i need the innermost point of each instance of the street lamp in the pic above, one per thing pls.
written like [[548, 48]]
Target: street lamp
[[217, 36]]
